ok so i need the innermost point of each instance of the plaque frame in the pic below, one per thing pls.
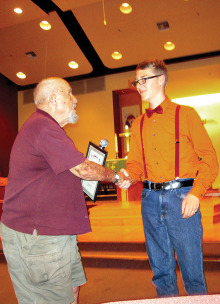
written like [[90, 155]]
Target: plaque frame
[[97, 155]]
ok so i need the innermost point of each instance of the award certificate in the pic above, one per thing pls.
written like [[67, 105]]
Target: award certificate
[[97, 155]]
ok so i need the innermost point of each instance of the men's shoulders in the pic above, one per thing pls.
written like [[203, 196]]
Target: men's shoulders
[[37, 131], [188, 112], [42, 118], [37, 123], [185, 110]]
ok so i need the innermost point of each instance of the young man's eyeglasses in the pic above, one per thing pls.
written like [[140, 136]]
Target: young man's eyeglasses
[[143, 80]]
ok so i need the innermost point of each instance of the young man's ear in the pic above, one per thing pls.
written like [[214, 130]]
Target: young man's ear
[[162, 80]]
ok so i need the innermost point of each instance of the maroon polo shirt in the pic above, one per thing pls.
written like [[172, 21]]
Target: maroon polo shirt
[[41, 192]]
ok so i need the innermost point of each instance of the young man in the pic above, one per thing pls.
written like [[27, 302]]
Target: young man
[[176, 171], [44, 206]]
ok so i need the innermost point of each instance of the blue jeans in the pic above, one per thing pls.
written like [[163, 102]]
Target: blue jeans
[[165, 232]]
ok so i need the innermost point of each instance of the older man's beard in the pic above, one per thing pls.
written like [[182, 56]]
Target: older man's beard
[[73, 117]]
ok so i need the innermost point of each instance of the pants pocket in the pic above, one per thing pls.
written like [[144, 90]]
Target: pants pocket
[[182, 192], [43, 268]]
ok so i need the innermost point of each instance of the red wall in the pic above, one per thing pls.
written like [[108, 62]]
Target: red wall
[[8, 121]]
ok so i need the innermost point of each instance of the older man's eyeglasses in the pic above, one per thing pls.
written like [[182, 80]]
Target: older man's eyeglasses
[[143, 80]]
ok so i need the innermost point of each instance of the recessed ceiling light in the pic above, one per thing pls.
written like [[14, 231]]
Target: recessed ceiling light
[[45, 25], [125, 8], [21, 75], [116, 55], [73, 65], [169, 46], [18, 10]]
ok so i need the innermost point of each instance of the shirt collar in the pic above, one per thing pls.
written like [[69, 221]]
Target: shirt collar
[[165, 104], [46, 115]]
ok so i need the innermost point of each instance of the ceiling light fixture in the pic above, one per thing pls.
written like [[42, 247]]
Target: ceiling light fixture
[[73, 65], [18, 10], [116, 55], [103, 6], [21, 75], [126, 8], [169, 46], [45, 25]]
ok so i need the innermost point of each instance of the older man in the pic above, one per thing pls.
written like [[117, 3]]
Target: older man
[[44, 206]]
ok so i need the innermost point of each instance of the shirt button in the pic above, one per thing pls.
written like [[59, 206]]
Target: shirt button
[[155, 148], [154, 121], [156, 163], [154, 134], [160, 177]]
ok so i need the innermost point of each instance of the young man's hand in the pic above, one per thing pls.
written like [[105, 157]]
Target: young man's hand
[[126, 180]]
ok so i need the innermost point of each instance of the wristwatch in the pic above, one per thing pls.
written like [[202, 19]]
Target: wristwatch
[[116, 177]]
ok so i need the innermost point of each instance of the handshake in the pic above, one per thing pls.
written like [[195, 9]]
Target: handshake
[[125, 181]]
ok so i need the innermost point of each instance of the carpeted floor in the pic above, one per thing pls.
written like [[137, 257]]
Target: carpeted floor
[[110, 284]]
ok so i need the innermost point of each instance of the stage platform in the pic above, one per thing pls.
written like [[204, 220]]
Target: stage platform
[[115, 259], [117, 235]]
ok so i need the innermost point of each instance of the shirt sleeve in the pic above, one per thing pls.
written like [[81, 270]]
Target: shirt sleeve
[[58, 149], [208, 165], [134, 164]]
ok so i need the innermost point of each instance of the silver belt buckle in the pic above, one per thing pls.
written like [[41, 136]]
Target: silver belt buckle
[[176, 184], [168, 186]]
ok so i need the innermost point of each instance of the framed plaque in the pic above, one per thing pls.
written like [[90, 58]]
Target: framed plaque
[[97, 155]]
